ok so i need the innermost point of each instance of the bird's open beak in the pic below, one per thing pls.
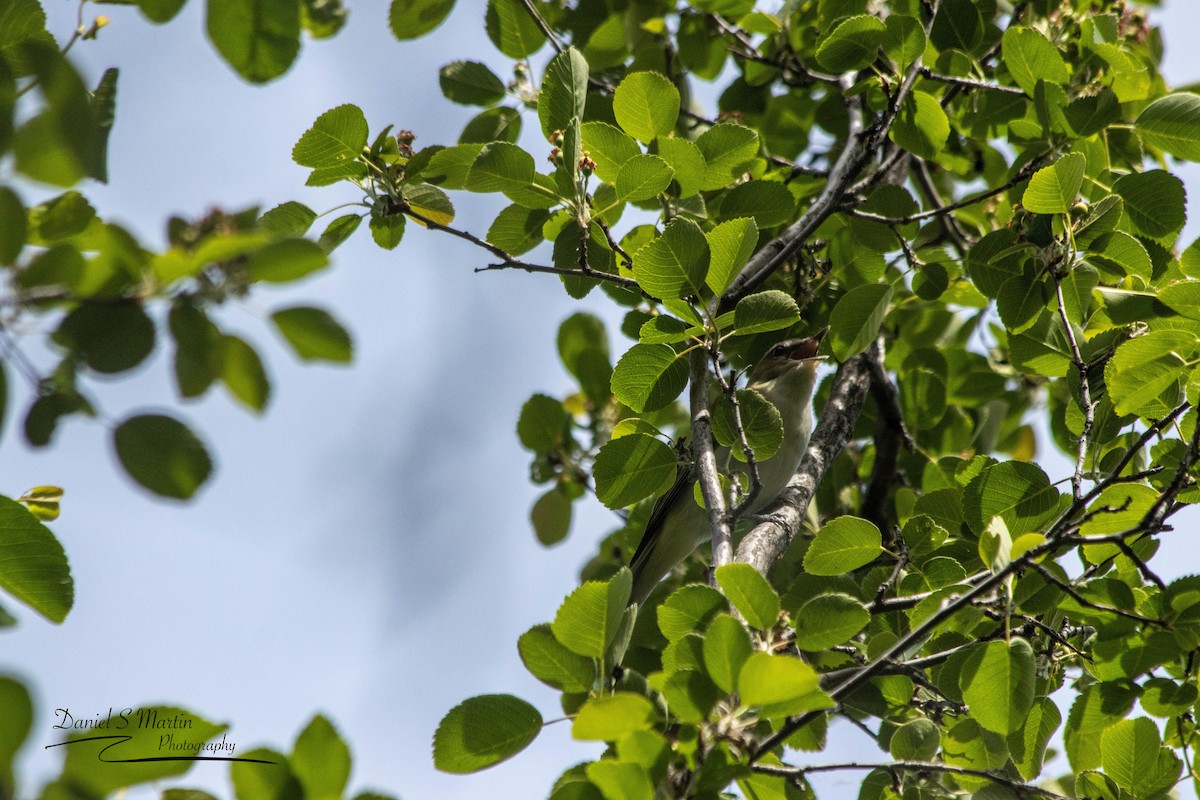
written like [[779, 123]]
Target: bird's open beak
[[806, 349]]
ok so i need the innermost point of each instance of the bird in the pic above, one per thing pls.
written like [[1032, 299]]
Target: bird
[[677, 525]]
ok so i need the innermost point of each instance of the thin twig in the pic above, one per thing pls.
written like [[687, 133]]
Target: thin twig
[[969, 83], [1083, 601], [910, 766], [544, 26], [509, 261]]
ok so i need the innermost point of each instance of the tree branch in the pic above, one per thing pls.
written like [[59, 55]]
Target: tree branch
[[706, 461], [767, 541], [910, 766]]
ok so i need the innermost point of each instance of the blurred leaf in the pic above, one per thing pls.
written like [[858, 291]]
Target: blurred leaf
[[511, 29], [110, 337], [258, 38], [313, 334], [162, 454], [321, 760], [243, 374], [551, 516], [412, 19]]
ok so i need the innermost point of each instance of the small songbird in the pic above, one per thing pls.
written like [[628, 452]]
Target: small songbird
[[677, 525]]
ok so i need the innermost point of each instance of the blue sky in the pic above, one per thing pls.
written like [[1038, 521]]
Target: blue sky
[[334, 563]]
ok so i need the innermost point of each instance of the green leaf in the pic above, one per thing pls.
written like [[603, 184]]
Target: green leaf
[[542, 426], [903, 39], [1028, 744], [243, 374], [646, 105], [768, 202], [631, 468], [518, 230], [649, 377], [21, 22], [286, 260], [688, 610], [726, 647], [918, 740], [643, 177], [590, 617], [1172, 123], [771, 310], [500, 167], [1030, 57], [856, 319], [1154, 201], [254, 782], [780, 686], [687, 162], [609, 147], [675, 264], [1144, 375], [828, 620], [321, 760], [921, 127], [483, 731], [16, 709], [339, 231], [502, 124], [338, 135], [430, 202], [510, 27], [852, 45], [142, 749], [288, 219], [33, 566], [62, 217], [1130, 753], [564, 92], [611, 717], [957, 26], [620, 780], [1054, 189], [412, 19], [199, 348], [470, 83], [162, 454], [583, 348], [750, 594], [387, 230], [1163, 697], [730, 246], [1016, 491], [551, 516], [110, 337], [13, 225], [258, 38], [997, 683], [761, 422], [1118, 508], [728, 152], [843, 545], [313, 334], [552, 663]]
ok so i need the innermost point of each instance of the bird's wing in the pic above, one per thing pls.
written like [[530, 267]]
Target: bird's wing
[[683, 483]]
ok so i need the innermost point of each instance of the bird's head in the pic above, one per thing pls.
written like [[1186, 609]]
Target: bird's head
[[787, 356]]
